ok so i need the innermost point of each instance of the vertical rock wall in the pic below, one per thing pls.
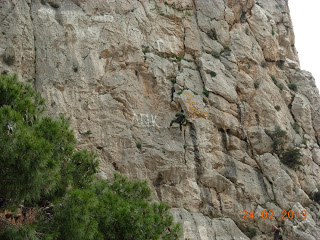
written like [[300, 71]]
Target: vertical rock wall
[[121, 70]]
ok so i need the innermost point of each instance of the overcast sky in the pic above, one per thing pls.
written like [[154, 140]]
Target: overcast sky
[[305, 18]]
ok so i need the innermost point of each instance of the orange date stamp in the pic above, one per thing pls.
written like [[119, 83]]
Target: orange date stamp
[[270, 215]]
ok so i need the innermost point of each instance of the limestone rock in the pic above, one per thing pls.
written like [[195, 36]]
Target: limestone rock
[[217, 79], [259, 140], [123, 69]]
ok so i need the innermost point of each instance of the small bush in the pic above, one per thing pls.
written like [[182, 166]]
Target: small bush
[[216, 55], [205, 92], [138, 145], [9, 59], [87, 133], [277, 107], [291, 157], [295, 126], [211, 34], [251, 232], [316, 197], [280, 64], [145, 49], [248, 31], [293, 86], [277, 137], [213, 74], [227, 49], [179, 59], [54, 4], [180, 92], [272, 32], [264, 64], [274, 79], [256, 85], [280, 86], [43, 2], [173, 80]]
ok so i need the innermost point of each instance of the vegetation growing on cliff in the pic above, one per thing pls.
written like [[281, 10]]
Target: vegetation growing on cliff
[[289, 156], [43, 176]]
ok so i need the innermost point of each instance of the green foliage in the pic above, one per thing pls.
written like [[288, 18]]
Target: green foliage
[[25, 159], [213, 74], [173, 80], [291, 157], [8, 59], [75, 217], [117, 209], [180, 92], [138, 145], [205, 92], [280, 86], [216, 55], [256, 84], [179, 59], [274, 79], [131, 215], [40, 168], [5, 72], [211, 34], [27, 232], [145, 49], [272, 32], [280, 64], [277, 137], [19, 96], [293, 86], [79, 171], [26, 156], [54, 4], [87, 133], [296, 127], [38, 160], [227, 49], [251, 232], [316, 196]]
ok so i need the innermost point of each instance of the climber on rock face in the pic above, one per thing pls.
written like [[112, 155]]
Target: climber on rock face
[[181, 119], [276, 230]]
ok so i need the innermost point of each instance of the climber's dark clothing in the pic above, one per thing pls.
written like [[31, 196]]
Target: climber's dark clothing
[[276, 232], [181, 119]]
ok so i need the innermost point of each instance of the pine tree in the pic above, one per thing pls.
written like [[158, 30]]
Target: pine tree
[[40, 168]]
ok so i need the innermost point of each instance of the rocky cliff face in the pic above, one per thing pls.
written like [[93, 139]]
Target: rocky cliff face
[[121, 70]]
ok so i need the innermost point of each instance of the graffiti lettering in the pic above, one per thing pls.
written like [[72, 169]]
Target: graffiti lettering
[[194, 109], [145, 120]]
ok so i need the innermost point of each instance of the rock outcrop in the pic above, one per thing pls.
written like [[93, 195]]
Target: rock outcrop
[[121, 70]]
